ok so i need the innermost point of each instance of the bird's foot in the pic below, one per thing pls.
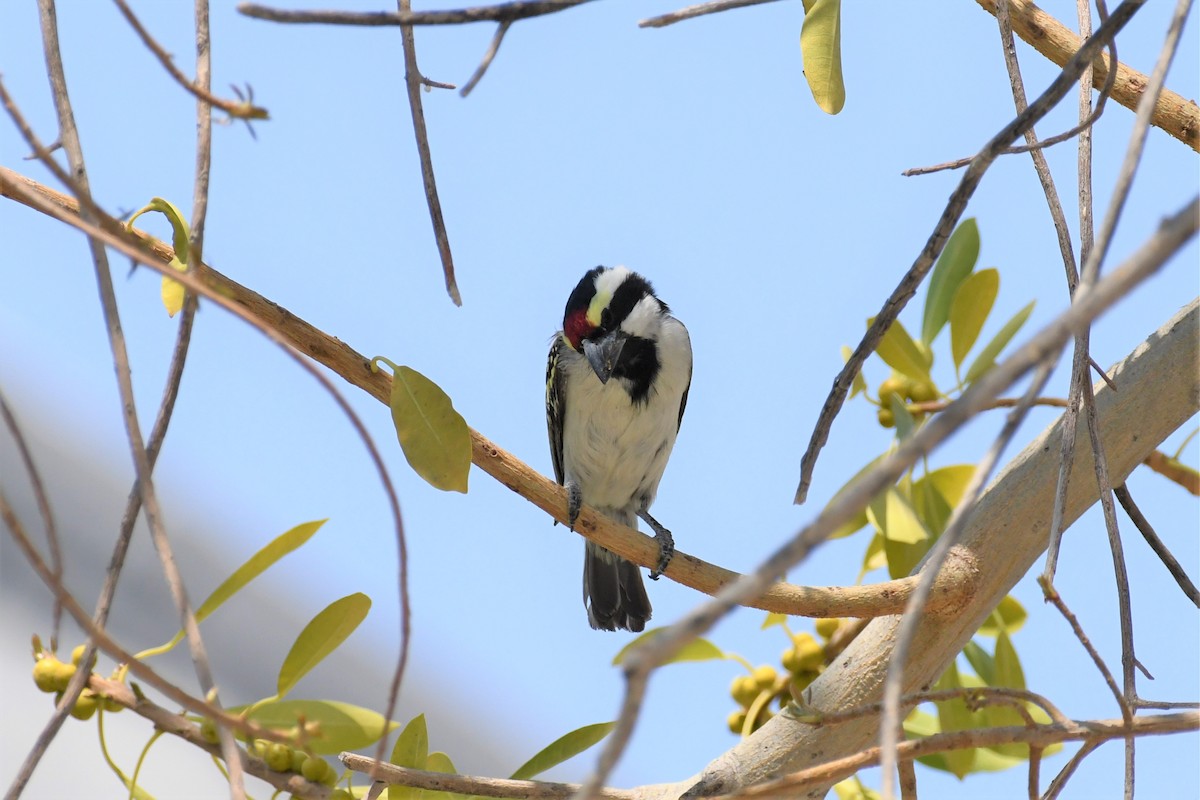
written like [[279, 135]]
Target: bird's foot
[[574, 504], [666, 545]]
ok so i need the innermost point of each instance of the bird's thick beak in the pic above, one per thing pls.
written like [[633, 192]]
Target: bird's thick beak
[[604, 353]]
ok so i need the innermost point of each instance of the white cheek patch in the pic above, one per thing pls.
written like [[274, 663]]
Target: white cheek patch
[[645, 319]]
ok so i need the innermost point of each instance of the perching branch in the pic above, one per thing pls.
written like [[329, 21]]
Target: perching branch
[[503, 12]]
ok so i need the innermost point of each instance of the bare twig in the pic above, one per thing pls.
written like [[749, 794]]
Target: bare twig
[[1060, 780], [933, 406], [493, 48], [1156, 544], [471, 784], [43, 504], [890, 731], [502, 12], [201, 89], [945, 225], [1171, 468], [1173, 113], [1054, 598], [698, 10]]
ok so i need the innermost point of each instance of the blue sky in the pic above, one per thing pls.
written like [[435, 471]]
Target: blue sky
[[693, 154]]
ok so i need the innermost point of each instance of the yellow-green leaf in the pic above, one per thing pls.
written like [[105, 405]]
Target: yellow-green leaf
[[902, 524], [953, 266], [772, 619], [905, 424], [853, 789], [172, 291], [953, 715], [874, 558], [987, 357], [334, 726], [858, 383], [256, 565], [821, 50], [901, 353], [696, 650], [435, 438], [983, 664], [859, 519], [411, 750], [440, 762], [320, 637], [564, 747], [969, 310], [935, 495], [1008, 617], [1008, 666]]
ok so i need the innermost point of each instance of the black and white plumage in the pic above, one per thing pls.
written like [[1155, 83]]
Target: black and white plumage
[[616, 387]]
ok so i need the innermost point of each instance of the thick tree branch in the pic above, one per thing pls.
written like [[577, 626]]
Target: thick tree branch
[[1057, 42]]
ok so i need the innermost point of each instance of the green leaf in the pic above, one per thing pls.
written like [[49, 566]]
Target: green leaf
[[1008, 616], [1008, 665], [905, 424], [172, 291], [435, 438], [411, 750], [901, 353], [969, 310], [902, 523], [821, 50], [256, 565], [320, 637], [953, 715], [981, 662], [874, 558], [858, 383], [905, 539], [953, 266], [336, 726], [695, 650], [853, 789], [562, 748], [440, 762], [860, 519], [772, 619], [987, 357]]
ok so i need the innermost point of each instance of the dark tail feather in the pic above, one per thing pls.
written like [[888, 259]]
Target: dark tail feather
[[613, 592]]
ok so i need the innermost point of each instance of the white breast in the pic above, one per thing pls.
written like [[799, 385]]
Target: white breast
[[614, 449]]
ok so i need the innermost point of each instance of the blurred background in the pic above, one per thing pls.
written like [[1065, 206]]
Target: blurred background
[[693, 154]]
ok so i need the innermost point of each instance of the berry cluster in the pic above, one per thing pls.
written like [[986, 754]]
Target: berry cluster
[[904, 389], [802, 663], [52, 676], [282, 758]]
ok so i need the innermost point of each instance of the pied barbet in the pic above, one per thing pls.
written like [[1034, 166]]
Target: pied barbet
[[616, 387]]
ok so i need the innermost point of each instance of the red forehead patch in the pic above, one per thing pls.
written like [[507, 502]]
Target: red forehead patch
[[576, 326]]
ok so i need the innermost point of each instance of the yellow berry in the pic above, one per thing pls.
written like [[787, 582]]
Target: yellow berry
[[736, 720], [809, 653], [895, 385], [886, 417], [827, 627], [744, 690], [315, 769], [923, 392], [790, 659], [77, 654], [764, 676], [298, 759], [208, 730], [279, 757], [45, 675], [86, 705]]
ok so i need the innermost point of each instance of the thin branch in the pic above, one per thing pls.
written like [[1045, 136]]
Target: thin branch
[[1053, 597], [1167, 240], [201, 90], [43, 504], [502, 12], [1173, 113], [890, 731], [471, 784], [1156, 544], [493, 48], [1060, 781], [1040, 735], [1171, 468], [876, 600], [945, 225], [698, 10], [933, 406]]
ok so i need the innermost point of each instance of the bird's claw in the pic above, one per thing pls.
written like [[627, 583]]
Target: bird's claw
[[666, 545]]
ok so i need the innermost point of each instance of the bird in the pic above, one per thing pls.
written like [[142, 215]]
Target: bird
[[617, 382]]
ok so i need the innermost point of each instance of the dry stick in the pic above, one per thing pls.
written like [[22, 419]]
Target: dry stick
[[1173, 113], [1170, 468], [907, 771], [945, 225], [201, 89], [43, 504], [1171, 235], [116, 236], [999, 402], [1060, 780], [472, 784], [503, 12], [861, 602], [1156, 544], [890, 731], [412, 82], [699, 10], [1040, 735], [493, 48]]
